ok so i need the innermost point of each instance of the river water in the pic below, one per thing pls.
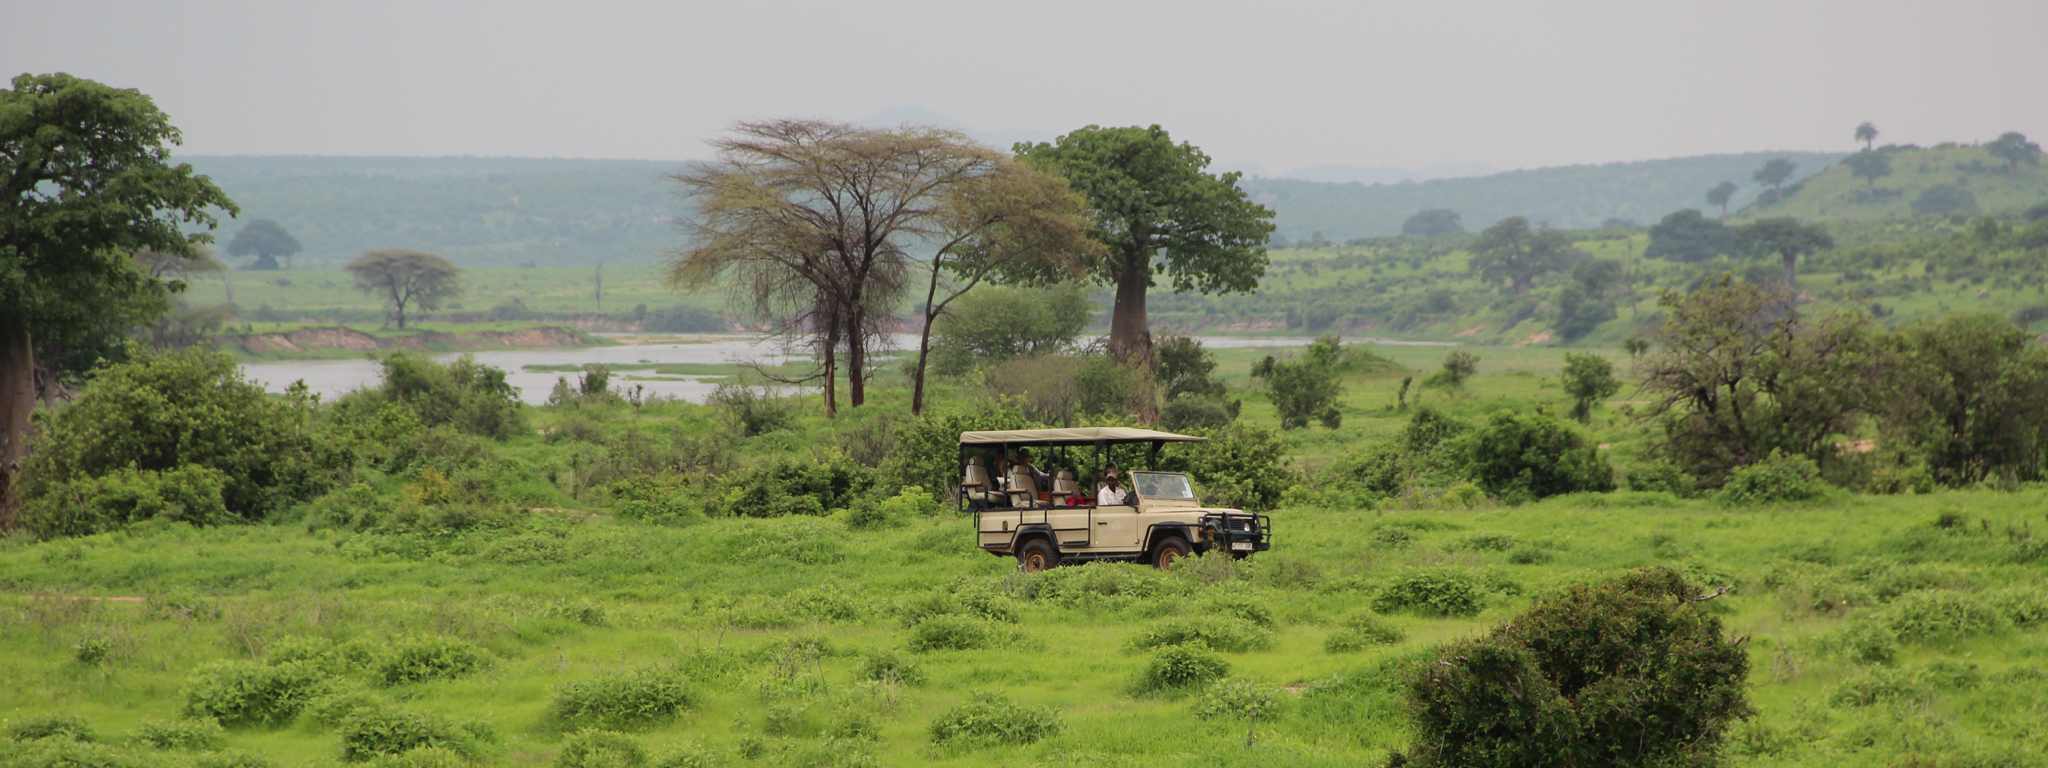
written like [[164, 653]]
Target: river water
[[332, 378]]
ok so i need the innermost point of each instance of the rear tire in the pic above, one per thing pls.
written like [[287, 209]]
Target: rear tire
[[1170, 549], [1036, 556]]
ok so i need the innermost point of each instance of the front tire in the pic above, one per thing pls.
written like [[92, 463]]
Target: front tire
[[1171, 549], [1036, 556]]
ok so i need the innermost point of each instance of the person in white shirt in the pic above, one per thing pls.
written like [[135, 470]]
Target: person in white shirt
[[1109, 495]]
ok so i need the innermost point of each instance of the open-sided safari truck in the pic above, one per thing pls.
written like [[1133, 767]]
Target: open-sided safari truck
[[1043, 521]]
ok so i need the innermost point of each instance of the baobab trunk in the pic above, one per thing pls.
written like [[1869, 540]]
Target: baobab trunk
[[1130, 335], [17, 401], [1791, 270], [856, 349]]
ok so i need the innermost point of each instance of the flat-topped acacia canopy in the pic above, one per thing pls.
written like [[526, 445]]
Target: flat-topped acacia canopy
[[1075, 436]]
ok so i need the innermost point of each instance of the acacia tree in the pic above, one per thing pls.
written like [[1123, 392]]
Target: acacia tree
[[1866, 133], [1774, 173], [1511, 252], [1719, 195], [1870, 166], [85, 180], [1785, 238], [815, 222], [406, 279], [2014, 149], [1157, 210], [1737, 371], [266, 240]]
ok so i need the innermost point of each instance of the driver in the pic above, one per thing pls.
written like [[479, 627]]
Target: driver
[[1109, 494]]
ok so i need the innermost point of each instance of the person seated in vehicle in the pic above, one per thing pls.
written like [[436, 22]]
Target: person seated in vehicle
[[1110, 494], [1023, 462]]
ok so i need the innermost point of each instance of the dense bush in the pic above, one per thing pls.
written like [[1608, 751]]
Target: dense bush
[[1239, 697], [1306, 389], [464, 394], [246, 693], [1223, 633], [1361, 631], [927, 451], [1519, 456], [372, 733], [1178, 668], [430, 658], [1245, 466], [325, 655], [155, 416], [600, 749], [887, 666], [995, 324], [67, 727], [989, 719], [190, 735], [951, 633], [1777, 479], [622, 699], [1633, 670], [749, 411], [789, 484], [1431, 592]]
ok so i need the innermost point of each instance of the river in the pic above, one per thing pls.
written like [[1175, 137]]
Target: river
[[333, 378]]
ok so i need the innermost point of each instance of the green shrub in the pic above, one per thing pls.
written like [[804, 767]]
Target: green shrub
[[928, 448], [423, 757], [1880, 686], [1361, 631], [68, 727], [1486, 542], [752, 411], [331, 709], [886, 666], [622, 700], [1239, 697], [190, 735], [1521, 456], [464, 394], [1388, 536], [246, 693], [177, 430], [989, 719], [1093, 582], [951, 633], [2023, 607], [1243, 466], [1660, 477], [1431, 592], [1635, 666], [1240, 606], [1224, 633], [1776, 479], [372, 733], [233, 758], [431, 658], [691, 755], [186, 494], [92, 651], [1938, 615], [790, 484], [323, 654], [600, 749], [1530, 556], [1177, 668]]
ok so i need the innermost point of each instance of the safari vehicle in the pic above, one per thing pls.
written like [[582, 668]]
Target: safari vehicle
[[1042, 524]]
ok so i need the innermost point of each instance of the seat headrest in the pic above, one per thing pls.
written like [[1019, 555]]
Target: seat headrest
[[1064, 474], [974, 461]]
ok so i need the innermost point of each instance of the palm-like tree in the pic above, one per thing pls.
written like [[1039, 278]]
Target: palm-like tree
[[1866, 133]]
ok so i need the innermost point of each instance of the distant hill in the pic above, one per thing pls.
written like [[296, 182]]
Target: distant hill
[[1573, 197], [1837, 194]]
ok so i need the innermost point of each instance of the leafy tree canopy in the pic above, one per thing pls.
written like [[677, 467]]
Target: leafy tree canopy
[[1774, 172], [406, 279], [1513, 253], [1784, 238], [996, 324], [264, 239], [1869, 165], [1945, 198], [1688, 236], [1433, 222], [2014, 149]]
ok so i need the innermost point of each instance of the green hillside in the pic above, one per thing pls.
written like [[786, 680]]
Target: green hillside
[[1835, 193]]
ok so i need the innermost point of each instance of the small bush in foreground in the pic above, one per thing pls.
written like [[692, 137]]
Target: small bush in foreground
[[1239, 697], [989, 719], [1635, 666], [887, 666], [601, 749], [1224, 633], [431, 658], [622, 700], [245, 693], [71, 727], [1177, 668], [1431, 592], [1777, 479], [950, 633], [372, 733], [193, 735], [1362, 631]]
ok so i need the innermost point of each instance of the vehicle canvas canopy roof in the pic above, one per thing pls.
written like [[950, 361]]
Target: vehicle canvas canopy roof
[[1075, 436]]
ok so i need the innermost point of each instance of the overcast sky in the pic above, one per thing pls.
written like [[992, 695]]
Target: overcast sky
[[1511, 84]]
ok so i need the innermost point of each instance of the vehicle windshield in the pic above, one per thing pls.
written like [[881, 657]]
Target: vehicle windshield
[[1162, 485]]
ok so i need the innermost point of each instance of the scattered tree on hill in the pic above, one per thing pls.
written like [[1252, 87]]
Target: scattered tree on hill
[[2014, 149], [1458, 367], [1433, 222], [1738, 371], [1513, 253], [1688, 236], [1869, 165], [1945, 198], [1774, 174], [406, 280], [997, 324], [1157, 210], [266, 240], [85, 181], [1588, 378], [1633, 671], [1866, 133], [1307, 388], [1971, 394], [1784, 238], [1719, 195]]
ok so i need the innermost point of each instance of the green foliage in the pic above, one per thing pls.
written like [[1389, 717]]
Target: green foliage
[[406, 280], [165, 434], [600, 749], [431, 658], [1189, 412], [1432, 222], [1631, 666], [186, 494], [1458, 366], [1242, 466], [1229, 634], [1777, 479], [471, 397], [994, 324], [791, 484], [622, 700], [928, 448], [1942, 199], [1972, 397], [951, 633], [1521, 456], [1686, 236], [1783, 237], [752, 411], [247, 693], [1176, 669], [66, 727], [266, 240], [1194, 398], [888, 666], [1240, 698], [1659, 476], [372, 733], [991, 719], [188, 735], [1305, 389], [1363, 630], [1940, 615], [1869, 165], [1511, 252], [1431, 592]]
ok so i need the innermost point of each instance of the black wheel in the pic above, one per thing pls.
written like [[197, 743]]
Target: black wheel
[[1169, 549], [1035, 556]]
